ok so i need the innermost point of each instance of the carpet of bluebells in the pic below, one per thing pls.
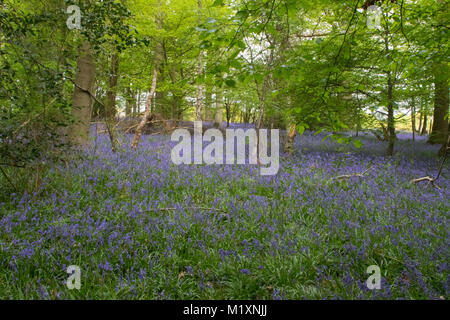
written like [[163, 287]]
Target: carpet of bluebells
[[140, 227]]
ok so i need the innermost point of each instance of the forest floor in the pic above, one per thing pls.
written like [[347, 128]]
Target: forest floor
[[140, 227]]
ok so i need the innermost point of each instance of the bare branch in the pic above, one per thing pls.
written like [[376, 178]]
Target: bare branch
[[431, 180], [358, 174], [194, 208]]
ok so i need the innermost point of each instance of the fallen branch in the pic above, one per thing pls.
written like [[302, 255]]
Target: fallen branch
[[152, 121], [431, 180], [427, 178], [358, 174], [194, 208]]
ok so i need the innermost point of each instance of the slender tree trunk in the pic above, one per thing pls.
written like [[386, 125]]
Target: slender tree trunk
[[147, 112], [424, 125], [430, 126], [128, 107], [82, 99], [138, 104], [218, 117], [153, 106], [199, 104], [228, 111], [413, 119], [208, 102], [358, 124], [446, 145], [391, 121], [441, 102], [291, 132], [130, 102], [420, 121], [111, 106]]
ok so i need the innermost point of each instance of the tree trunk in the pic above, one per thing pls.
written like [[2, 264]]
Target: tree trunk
[[391, 121], [137, 105], [140, 127], [111, 106], [413, 119], [128, 107], [291, 132], [431, 125], [441, 101], [228, 111], [218, 117], [199, 104], [176, 106], [424, 124], [446, 145], [130, 102], [420, 121], [82, 99], [207, 114]]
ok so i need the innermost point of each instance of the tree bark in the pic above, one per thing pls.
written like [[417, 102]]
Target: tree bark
[[111, 106], [291, 132], [130, 101], [391, 121], [207, 112], [137, 105], [199, 103], [390, 107], [420, 121], [441, 102], [81, 99], [430, 126], [228, 111], [147, 112], [424, 124], [413, 119], [218, 117]]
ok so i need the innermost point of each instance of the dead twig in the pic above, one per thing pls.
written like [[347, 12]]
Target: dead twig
[[427, 178], [431, 180], [358, 174], [194, 208]]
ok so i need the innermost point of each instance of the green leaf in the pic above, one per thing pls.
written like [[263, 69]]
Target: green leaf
[[301, 129], [231, 83], [235, 64]]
